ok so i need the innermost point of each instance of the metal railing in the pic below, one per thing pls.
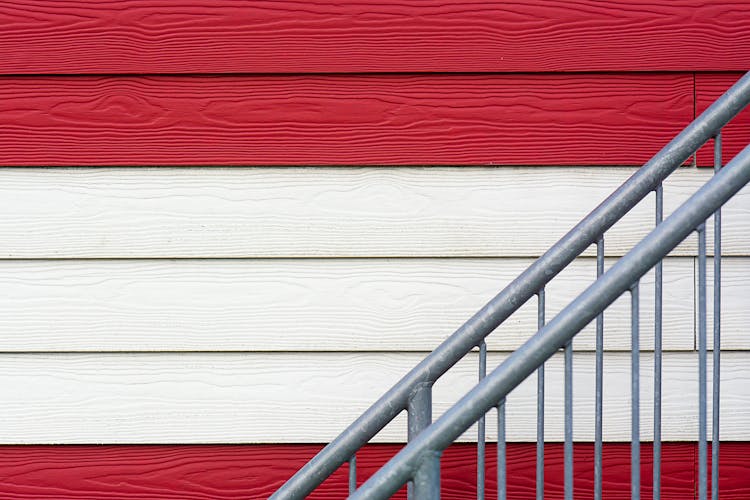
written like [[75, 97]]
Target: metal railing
[[418, 463]]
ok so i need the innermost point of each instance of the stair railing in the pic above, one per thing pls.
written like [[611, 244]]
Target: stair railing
[[418, 462], [622, 277]]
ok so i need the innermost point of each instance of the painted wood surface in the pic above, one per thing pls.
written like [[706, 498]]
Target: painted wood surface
[[734, 480], [736, 135], [165, 398], [306, 305], [254, 472], [735, 303], [326, 212], [296, 92], [167, 36], [547, 119]]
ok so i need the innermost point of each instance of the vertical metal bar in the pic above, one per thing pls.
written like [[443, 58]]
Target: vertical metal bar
[[658, 296], [702, 452], [481, 426], [717, 336], [502, 478], [427, 477], [540, 407], [353, 474], [568, 446], [599, 381], [420, 417], [635, 422]]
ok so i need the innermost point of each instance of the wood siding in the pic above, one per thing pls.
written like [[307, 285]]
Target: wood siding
[[210, 472], [341, 120], [326, 212], [290, 397], [227, 36], [708, 88], [308, 305], [229, 226]]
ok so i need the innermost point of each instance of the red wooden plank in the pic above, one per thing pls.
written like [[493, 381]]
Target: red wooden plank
[[254, 471], [734, 471], [174, 36], [677, 474], [736, 135], [341, 120]]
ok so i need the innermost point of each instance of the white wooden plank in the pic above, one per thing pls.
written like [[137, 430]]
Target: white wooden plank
[[292, 212], [735, 303], [297, 305], [288, 398]]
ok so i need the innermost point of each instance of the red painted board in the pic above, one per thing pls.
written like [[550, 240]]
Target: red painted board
[[319, 36], [254, 471], [736, 135], [677, 474], [341, 120], [734, 470]]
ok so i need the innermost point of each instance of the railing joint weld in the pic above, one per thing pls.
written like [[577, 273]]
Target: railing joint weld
[[418, 388]]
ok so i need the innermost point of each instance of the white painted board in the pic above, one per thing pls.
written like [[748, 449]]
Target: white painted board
[[301, 304], [735, 303], [324, 212], [310, 398]]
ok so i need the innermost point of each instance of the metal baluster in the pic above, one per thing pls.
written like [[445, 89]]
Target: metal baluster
[[635, 422], [702, 452], [658, 279], [502, 482], [427, 479], [540, 407], [599, 381], [353, 474], [481, 426], [717, 335], [568, 446]]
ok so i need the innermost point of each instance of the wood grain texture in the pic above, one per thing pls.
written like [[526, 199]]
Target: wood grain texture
[[169, 36], [736, 135], [290, 397], [301, 305], [735, 303], [326, 212], [341, 120], [677, 475], [734, 480], [254, 472]]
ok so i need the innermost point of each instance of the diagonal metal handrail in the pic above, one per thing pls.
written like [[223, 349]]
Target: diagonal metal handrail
[[620, 278], [412, 392]]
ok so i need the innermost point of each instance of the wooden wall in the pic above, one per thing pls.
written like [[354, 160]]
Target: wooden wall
[[229, 226]]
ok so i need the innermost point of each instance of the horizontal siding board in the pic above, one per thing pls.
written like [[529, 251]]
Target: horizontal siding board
[[735, 303], [734, 470], [167, 36], [254, 472], [326, 212], [736, 135], [304, 398], [341, 120], [299, 305]]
